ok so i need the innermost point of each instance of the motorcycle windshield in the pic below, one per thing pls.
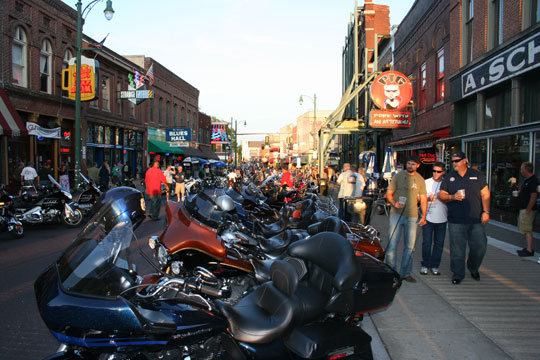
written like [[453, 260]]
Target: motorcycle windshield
[[203, 207], [101, 260], [54, 182], [271, 178]]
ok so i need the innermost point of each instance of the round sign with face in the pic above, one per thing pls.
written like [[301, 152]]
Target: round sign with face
[[391, 90]]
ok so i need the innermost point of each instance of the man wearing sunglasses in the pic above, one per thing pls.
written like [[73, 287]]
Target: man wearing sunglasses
[[434, 231], [466, 195]]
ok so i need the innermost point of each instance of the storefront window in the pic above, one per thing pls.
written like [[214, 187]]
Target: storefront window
[[100, 135], [530, 99], [477, 155], [508, 153], [498, 109], [139, 140], [465, 117], [90, 133]]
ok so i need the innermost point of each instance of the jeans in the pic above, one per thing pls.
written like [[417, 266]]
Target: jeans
[[460, 236], [408, 226], [155, 205], [433, 234], [341, 212]]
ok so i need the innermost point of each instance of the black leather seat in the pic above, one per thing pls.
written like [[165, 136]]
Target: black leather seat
[[307, 210], [278, 226], [266, 313], [332, 273], [331, 224]]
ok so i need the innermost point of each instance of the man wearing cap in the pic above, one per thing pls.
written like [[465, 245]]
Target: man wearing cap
[[405, 190], [466, 194], [29, 175]]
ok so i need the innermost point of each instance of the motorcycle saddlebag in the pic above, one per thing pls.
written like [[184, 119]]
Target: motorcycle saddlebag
[[377, 286], [330, 340]]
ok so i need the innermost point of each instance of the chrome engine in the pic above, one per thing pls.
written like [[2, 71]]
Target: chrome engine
[[36, 215]]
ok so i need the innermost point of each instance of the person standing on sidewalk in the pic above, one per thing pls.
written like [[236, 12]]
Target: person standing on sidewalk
[[347, 185], [180, 187], [153, 179], [434, 231], [528, 193], [466, 194], [29, 175], [169, 173], [404, 191]]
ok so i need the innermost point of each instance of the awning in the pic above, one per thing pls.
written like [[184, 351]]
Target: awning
[[207, 153], [419, 141], [163, 147], [189, 151], [11, 123]]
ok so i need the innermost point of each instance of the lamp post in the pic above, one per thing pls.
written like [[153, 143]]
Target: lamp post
[[109, 12], [236, 140], [314, 99]]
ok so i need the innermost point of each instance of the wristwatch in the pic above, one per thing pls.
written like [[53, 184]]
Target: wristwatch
[[487, 212]]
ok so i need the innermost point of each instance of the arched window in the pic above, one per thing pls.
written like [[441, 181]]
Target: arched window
[[175, 109], [168, 105], [65, 63], [45, 67], [182, 117], [188, 118], [18, 58], [160, 105]]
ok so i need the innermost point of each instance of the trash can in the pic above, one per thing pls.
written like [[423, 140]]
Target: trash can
[[323, 186], [358, 209]]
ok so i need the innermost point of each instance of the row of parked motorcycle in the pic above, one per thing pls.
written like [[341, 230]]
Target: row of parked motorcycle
[[252, 271]]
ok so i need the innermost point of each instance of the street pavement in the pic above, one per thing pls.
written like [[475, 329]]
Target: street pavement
[[497, 317]]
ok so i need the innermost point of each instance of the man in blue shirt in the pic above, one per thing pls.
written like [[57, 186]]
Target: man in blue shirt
[[466, 195]]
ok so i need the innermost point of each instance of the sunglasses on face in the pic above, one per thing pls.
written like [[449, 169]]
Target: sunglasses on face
[[455, 161], [438, 171]]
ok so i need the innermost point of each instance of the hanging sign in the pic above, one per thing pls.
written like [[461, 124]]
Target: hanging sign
[[35, 129], [178, 134], [391, 91], [89, 76]]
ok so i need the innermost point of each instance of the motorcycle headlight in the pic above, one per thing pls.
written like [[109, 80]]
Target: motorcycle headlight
[[153, 242], [143, 205], [162, 255]]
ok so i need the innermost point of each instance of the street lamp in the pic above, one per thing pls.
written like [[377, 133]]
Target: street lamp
[[314, 99], [236, 140], [109, 12]]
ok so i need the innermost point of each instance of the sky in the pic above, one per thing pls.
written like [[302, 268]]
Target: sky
[[250, 59]]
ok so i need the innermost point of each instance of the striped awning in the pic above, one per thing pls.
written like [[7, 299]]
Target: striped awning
[[11, 123]]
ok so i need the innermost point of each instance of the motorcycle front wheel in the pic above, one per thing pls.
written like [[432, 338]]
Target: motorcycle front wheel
[[73, 221]]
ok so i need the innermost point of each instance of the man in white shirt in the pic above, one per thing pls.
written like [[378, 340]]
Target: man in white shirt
[[435, 229], [347, 186], [29, 175]]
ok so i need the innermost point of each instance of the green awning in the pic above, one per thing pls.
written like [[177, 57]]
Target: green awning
[[163, 147]]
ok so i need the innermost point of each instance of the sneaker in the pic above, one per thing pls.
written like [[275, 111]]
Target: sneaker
[[456, 281], [539, 260], [423, 270], [435, 271], [409, 279], [475, 276], [524, 252]]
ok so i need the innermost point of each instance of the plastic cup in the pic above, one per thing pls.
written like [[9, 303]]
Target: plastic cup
[[402, 200], [461, 192]]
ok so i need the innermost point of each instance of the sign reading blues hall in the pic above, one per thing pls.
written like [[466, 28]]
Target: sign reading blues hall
[[178, 134], [517, 59]]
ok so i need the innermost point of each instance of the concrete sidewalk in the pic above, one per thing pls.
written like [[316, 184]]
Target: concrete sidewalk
[[497, 317]]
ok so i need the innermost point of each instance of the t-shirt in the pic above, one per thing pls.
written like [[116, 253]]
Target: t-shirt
[[153, 179], [29, 173], [437, 212], [286, 179], [347, 183], [469, 210], [411, 187], [360, 185], [168, 176], [529, 187]]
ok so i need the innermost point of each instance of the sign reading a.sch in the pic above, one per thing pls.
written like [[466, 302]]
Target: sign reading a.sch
[[178, 135], [522, 57]]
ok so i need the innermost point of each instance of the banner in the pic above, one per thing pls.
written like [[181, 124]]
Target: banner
[[35, 129], [178, 134]]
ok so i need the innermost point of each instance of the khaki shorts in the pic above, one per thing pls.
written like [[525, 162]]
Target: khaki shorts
[[525, 221], [180, 188]]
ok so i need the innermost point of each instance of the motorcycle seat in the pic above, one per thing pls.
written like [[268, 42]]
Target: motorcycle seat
[[333, 273], [276, 227], [266, 313], [331, 224]]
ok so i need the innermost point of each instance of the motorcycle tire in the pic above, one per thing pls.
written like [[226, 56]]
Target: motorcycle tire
[[17, 232], [76, 221]]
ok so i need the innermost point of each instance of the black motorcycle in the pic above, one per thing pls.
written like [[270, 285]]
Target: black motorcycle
[[8, 222], [96, 303], [50, 207], [86, 195]]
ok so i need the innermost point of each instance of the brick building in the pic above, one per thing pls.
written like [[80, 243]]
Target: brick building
[[495, 91], [422, 52], [38, 39]]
